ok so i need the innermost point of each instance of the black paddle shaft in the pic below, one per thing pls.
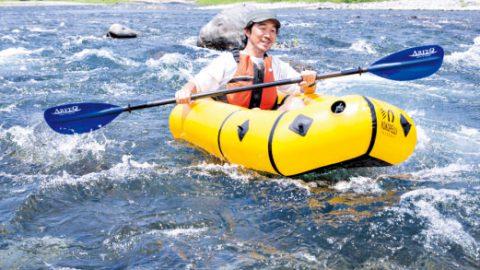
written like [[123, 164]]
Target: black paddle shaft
[[213, 94], [244, 88]]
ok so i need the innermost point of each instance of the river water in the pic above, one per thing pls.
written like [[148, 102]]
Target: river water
[[129, 196]]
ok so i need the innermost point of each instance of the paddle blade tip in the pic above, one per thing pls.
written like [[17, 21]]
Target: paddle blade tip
[[77, 118], [410, 64]]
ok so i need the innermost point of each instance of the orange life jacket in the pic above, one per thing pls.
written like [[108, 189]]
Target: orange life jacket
[[266, 98]]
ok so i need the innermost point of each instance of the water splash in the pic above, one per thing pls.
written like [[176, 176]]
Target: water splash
[[32, 146], [231, 170], [8, 108], [101, 53], [166, 59], [183, 231], [363, 46], [359, 184], [447, 172], [12, 53], [441, 228], [122, 171], [470, 57]]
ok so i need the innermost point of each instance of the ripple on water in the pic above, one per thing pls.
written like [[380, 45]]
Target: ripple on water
[[33, 252], [447, 218], [33, 146], [8, 108], [96, 57], [127, 169], [224, 169], [469, 58], [20, 58], [78, 41]]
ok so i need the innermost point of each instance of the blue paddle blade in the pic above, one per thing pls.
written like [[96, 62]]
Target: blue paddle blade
[[409, 64], [80, 117]]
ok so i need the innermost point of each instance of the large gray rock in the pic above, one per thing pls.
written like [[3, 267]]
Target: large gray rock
[[225, 30], [120, 31]]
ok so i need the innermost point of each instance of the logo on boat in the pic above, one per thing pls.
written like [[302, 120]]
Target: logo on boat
[[423, 53], [388, 118], [68, 110]]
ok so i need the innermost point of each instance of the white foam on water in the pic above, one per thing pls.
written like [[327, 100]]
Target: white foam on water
[[8, 108], [37, 29], [25, 178], [423, 140], [137, 165], [121, 243], [167, 59], [426, 24], [170, 65], [309, 257], [441, 230], [184, 231], [101, 53], [470, 57], [53, 267], [118, 89], [446, 172], [285, 182], [469, 132], [416, 113], [128, 168], [8, 38], [451, 22], [36, 147], [466, 140], [299, 24], [190, 42], [79, 40], [359, 185], [363, 46], [233, 171], [15, 52], [124, 243], [19, 58]]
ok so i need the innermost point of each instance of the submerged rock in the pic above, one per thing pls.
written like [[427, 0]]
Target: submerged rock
[[120, 31], [225, 30]]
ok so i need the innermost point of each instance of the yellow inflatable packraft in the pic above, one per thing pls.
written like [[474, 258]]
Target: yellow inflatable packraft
[[348, 131]]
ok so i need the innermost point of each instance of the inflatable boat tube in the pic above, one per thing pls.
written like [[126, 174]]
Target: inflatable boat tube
[[329, 132]]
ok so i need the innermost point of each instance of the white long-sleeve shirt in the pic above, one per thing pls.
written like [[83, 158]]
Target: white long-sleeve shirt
[[222, 69]]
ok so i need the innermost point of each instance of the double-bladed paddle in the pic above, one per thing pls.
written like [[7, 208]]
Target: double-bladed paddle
[[409, 64]]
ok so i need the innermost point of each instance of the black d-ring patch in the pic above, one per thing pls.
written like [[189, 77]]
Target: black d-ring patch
[[405, 125], [301, 124], [242, 130]]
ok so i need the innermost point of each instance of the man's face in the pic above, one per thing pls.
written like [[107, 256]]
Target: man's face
[[263, 35]]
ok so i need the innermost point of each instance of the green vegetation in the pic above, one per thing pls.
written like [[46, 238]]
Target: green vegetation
[[220, 2], [74, 1], [200, 2], [96, 1]]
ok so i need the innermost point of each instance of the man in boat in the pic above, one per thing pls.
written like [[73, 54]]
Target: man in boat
[[253, 65]]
